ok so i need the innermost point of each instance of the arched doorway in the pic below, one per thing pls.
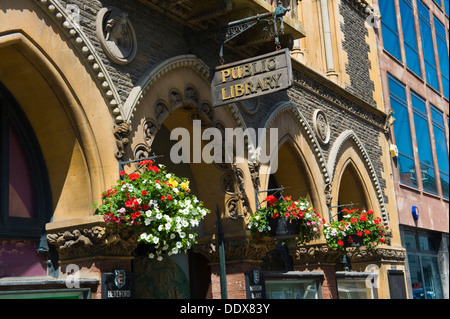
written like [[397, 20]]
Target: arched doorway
[[172, 100]]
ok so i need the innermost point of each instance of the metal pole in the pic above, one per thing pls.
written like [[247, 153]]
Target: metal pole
[[223, 272]]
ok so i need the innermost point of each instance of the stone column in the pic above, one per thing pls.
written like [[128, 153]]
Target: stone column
[[87, 247], [241, 255], [319, 258]]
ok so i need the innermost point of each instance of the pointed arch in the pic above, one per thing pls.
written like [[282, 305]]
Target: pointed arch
[[59, 119], [349, 150], [295, 133]]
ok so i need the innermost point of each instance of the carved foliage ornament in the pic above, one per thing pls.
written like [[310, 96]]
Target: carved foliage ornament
[[116, 35]]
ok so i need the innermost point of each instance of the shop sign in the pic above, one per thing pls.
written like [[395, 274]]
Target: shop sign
[[118, 285], [252, 77], [254, 285]]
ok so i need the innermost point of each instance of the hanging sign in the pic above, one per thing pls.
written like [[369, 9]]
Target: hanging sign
[[255, 285], [252, 77], [118, 285]]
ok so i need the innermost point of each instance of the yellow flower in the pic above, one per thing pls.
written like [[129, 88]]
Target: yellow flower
[[184, 185], [173, 182]]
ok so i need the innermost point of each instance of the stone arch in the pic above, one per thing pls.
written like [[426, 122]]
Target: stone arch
[[41, 82], [173, 95], [295, 132], [349, 150]]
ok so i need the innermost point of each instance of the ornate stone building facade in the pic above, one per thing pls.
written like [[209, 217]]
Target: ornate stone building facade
[[100, 83]]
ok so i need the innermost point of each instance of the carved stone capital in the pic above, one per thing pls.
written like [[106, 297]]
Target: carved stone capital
[[315, 254], [90, 240]]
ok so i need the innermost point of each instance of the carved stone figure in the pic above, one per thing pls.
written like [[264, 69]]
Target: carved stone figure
[[116, 35]]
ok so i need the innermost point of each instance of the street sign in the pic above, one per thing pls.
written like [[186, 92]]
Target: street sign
[[252, 77]]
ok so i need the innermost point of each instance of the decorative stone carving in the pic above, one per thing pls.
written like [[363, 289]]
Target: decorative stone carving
[[116, 35], [161, 111], [232, 208], [150, 130], [121, 132], [321, 127], [315, 254], [250, 106], [328, 193], [322, 254], [93, 240], [254, 173]]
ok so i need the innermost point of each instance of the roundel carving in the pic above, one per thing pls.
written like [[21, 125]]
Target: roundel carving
[[116, 35], [321, 126]]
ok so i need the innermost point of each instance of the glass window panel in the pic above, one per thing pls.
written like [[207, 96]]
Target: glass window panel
[[389, 28], [436, 116], [428, 178], [292, 289], [447, 5], [410, 241], [402, 129], [423, 139], [397, 89], [428, 243], [431, 276], [354, 288], [443, 54], [409, 37], [415, 272], [407, 170], [21, 193], [427, 45], [444, 184], [441, 149]]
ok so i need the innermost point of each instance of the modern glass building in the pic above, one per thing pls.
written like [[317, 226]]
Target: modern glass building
[[413, 39]]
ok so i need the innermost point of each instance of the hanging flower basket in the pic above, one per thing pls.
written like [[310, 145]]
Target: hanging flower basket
[[356, 229], [286, 218], [353, 241], [157, 205], [284, 227]]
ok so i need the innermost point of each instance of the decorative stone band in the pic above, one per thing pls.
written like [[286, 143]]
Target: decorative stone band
[[93, 238], [322, 254]]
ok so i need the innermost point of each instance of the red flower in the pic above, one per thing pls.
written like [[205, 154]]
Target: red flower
[[350, 239], [340, 243], [353, 220], [382, 240], [370, 212], [271, 199], [363, 217], [366, 232], [286, 215], [128, 203], [169, 197], [145, 207], [163, 198], [359, 233], [144, 193], [134, 176], [122, 173]]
